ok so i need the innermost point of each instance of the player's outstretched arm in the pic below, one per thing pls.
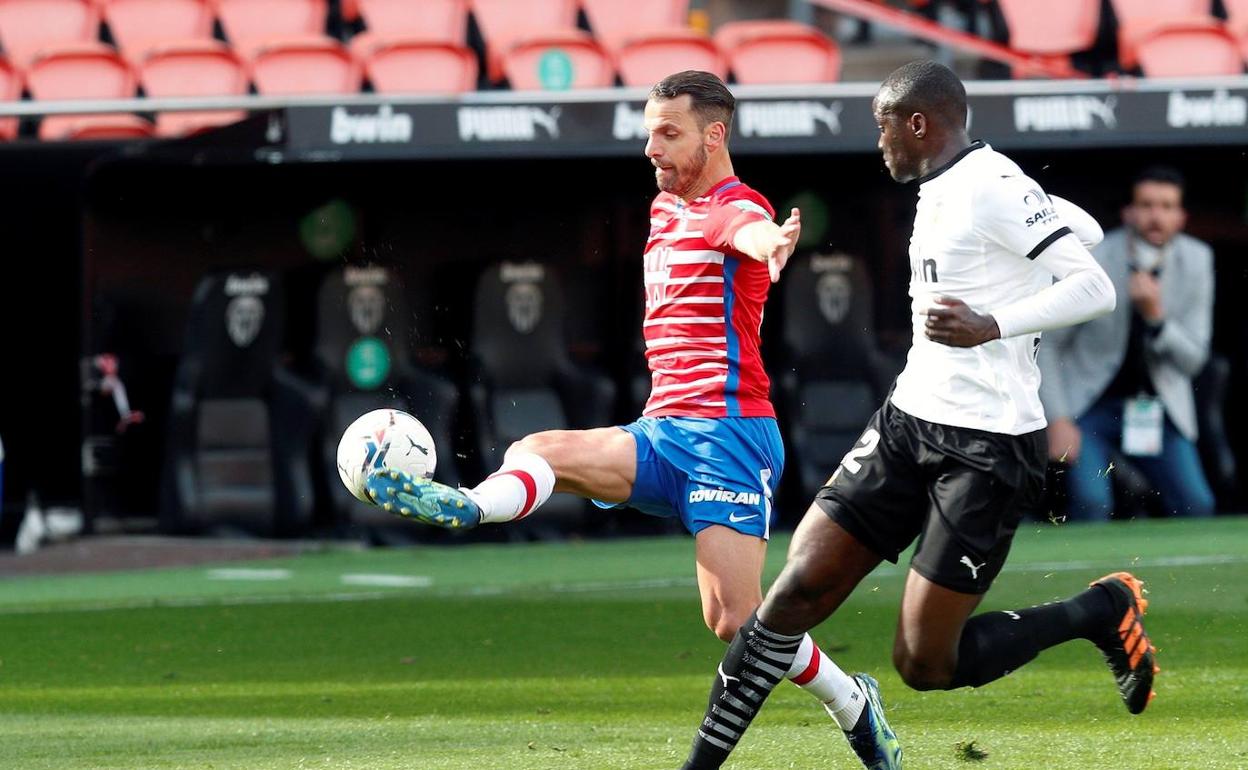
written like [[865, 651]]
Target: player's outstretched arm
[[768, 242]]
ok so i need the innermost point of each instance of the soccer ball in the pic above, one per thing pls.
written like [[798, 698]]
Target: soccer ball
[[384, 438]]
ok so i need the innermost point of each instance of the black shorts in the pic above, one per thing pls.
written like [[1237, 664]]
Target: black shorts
[[961, 492]]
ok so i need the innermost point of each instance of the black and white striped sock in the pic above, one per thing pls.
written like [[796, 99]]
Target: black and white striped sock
[[756, 661]]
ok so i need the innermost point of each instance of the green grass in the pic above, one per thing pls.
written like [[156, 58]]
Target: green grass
[[583, 655]]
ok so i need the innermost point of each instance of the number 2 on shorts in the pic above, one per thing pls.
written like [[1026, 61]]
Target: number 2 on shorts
[[866, 445]]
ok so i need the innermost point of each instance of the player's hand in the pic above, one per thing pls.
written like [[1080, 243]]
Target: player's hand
[[784, 245], [1065, 440], [951, 322], [1145, 292]]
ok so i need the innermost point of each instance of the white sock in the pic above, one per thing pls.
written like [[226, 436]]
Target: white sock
[[515, 490], [815, 673]]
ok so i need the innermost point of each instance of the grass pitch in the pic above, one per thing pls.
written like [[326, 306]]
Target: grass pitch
[[588, 655]]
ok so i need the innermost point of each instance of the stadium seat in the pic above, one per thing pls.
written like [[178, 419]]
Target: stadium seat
[[248, 24], [833, 377], [767, 51], [440, 20], [26, 26], [503, 22], [139, 25], [1210, 388], [194, 68], [1051, 28], [1137, 18], [362, 349], [558, 60], [239, 426], [645, 60], [1189, 48], [397, 66], [305, 66], [85, 71], [10, 91], [615, 21], [521, 380]]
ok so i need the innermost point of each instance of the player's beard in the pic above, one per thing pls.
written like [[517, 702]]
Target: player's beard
[[685, 180]]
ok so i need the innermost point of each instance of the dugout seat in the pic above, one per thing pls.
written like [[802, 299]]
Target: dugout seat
[[441, 20], [137, 26], [834, 376], [10, 90], [239, 424], [362, 349], [521, 380], [305, 65], [503, 23], [193, 68], [615, 21], [647, 59], [85, 71], [777, 51], [404, 66], [558, 60], [27, 26], [1199, 47], [249, 24]]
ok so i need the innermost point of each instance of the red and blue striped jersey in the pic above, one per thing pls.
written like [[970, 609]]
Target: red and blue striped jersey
[[704, 306]]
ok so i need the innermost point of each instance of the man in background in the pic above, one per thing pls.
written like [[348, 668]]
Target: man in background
[[1124, 381]]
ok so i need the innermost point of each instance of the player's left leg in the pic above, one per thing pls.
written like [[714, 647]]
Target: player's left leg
[[975, 508], [600, 463]]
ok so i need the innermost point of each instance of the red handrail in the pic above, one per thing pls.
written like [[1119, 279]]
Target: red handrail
[[918, 26]]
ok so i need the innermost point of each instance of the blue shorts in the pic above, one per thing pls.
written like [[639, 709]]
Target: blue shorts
[[721, 470]]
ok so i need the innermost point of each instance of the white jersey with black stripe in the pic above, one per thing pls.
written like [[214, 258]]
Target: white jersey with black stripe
[[979, 225]]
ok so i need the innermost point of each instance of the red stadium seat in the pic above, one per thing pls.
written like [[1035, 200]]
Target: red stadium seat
[[557, 61], [397, 66], [1236, 13], [442, 20], [1193, 48], [1052, 27], [1137, 18], [194, 68], [644, 61], [615, 21], [26, 26], [249, 23], [504, 22], [779, 52], [311, 65], [10, 91], [139, 25], [85, 71]]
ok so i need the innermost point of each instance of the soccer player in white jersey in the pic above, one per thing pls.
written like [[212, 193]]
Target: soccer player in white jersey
[[707, 448], [956, 455]]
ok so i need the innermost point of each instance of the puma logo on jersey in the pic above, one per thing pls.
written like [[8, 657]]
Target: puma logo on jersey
[[725, 496], [972, 566]]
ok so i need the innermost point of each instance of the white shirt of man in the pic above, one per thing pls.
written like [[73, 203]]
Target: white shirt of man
[[987, 234]]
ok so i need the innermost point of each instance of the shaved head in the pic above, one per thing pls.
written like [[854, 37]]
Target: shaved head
[[925, 87]]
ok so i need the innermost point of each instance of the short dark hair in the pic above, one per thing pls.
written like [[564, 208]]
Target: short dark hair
[[1163, 174], [928, 87], [710, 98]]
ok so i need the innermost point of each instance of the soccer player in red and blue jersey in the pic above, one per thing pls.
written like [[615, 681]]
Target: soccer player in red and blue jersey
[[706, 448]]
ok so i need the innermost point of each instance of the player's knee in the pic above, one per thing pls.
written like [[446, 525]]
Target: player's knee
[[921, 674], [724, 623], [549, 444]]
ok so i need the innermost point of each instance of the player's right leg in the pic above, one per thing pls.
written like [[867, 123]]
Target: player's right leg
[[598, 463], [825, 564]]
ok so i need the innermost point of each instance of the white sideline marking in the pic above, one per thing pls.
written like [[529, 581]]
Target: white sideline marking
[[243, 573], [586, 587], [388, 581]]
